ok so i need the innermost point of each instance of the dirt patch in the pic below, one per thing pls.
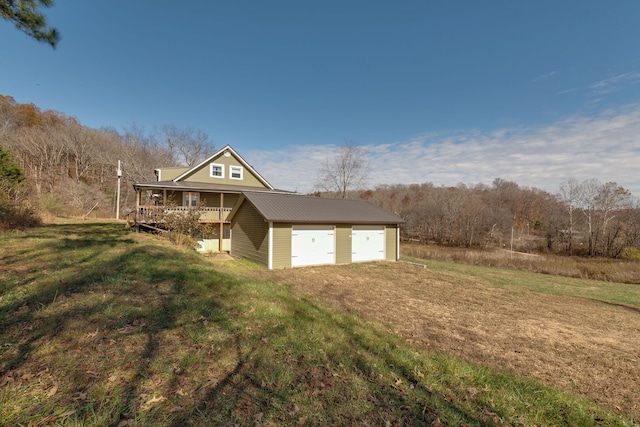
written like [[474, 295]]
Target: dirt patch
[[576, 344]]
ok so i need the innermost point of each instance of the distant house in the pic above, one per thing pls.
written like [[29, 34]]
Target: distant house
[[276, 228]]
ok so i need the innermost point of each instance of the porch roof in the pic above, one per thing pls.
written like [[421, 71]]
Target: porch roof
[[202, 187]]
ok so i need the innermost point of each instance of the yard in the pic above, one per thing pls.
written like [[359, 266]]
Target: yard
[[100, 326], [578, 335]]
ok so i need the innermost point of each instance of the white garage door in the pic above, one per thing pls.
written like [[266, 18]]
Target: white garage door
[[312, 245], [367, 243]]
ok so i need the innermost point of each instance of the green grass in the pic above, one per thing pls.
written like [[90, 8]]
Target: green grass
[[606, 292], [99, 326]]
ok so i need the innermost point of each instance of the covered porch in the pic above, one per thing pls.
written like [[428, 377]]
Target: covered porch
[[155, 203]]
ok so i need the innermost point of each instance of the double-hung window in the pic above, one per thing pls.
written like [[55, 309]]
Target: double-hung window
[[217, 170], [235, 172]]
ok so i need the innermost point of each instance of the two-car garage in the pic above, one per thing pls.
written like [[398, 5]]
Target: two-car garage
[[286, 230], [316, 245]]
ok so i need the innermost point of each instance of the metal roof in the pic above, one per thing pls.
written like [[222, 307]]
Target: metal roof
[[293, 208], [201, 186]]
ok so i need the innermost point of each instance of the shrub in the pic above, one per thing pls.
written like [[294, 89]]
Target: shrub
[[17, 217], [630, 253]]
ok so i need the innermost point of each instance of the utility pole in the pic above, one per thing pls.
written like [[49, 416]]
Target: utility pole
[[119, 172], [511, 241]]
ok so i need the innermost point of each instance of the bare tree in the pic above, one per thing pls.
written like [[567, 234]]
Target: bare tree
[[347, 171], [612, 199], [188, 146], [569, 195]]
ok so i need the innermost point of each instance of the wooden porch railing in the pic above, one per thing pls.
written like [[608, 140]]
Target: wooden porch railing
[[155, 214]]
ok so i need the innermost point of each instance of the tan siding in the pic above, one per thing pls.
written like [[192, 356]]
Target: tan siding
[[250, 235], [169, 174], [204, 174], [343, 244], [174, 197], [212, 200], [392, 241], [281, 245]]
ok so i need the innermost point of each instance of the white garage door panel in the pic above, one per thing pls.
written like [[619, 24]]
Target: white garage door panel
[[367, 243], [312, 245]]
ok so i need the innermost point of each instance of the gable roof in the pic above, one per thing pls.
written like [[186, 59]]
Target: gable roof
[[293, 208], [219, 153]]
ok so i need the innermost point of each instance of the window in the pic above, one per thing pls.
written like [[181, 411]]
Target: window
[[217, 171], [191, 199], [235, 172]]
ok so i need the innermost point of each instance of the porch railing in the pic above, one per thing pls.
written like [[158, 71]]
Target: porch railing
[[156, 214]]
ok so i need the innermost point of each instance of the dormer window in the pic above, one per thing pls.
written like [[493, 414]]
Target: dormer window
[[235, 172], [217, 171]]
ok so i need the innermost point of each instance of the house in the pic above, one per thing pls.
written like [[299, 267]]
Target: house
[[213, 186], [289, 230], [277, 228]]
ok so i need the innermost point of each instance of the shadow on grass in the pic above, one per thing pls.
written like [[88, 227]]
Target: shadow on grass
[[116, 328]]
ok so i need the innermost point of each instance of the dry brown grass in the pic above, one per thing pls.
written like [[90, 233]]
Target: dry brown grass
[[578, 335]]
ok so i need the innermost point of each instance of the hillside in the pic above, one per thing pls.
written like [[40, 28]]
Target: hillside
[[99, 326]]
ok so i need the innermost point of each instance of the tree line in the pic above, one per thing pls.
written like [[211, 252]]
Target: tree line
[[584, 218]]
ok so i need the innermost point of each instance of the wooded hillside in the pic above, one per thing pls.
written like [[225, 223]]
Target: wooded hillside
[[71, 168]]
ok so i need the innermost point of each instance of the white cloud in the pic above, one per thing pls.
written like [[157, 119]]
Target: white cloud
[[606, 147], [614, 84], [564, 92], [544, 76]]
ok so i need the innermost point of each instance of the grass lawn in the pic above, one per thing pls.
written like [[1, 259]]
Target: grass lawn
[[100, 326]]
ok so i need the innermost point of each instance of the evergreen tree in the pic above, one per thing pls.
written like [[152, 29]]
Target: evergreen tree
[[24, 14], [11, 175]]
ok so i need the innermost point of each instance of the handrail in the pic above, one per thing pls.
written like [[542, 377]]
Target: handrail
[[157, 213]]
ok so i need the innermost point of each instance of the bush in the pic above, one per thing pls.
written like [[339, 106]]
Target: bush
[[630, 253], [17, 217]]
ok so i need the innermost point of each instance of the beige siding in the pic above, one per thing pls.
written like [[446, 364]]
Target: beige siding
[[171, 173], [174, 197], [250, 235], [343, 244], [204, 173], [281, 245], [392, 242], [212, 200]]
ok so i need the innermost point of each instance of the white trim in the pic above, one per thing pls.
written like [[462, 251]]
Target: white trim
[[241, 169], [218, 165], [398, 242], [270, 254]]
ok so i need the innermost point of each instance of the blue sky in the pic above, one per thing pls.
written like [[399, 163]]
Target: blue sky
[[442, 92]]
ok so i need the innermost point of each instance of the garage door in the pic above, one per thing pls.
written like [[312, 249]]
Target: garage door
[[367, 243], [312, 245]]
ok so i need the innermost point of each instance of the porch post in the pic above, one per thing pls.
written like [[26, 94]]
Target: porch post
[[221, 235], [137, 212]]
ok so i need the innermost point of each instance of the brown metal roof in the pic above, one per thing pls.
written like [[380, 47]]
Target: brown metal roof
[[200, 186], [293, 208]]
